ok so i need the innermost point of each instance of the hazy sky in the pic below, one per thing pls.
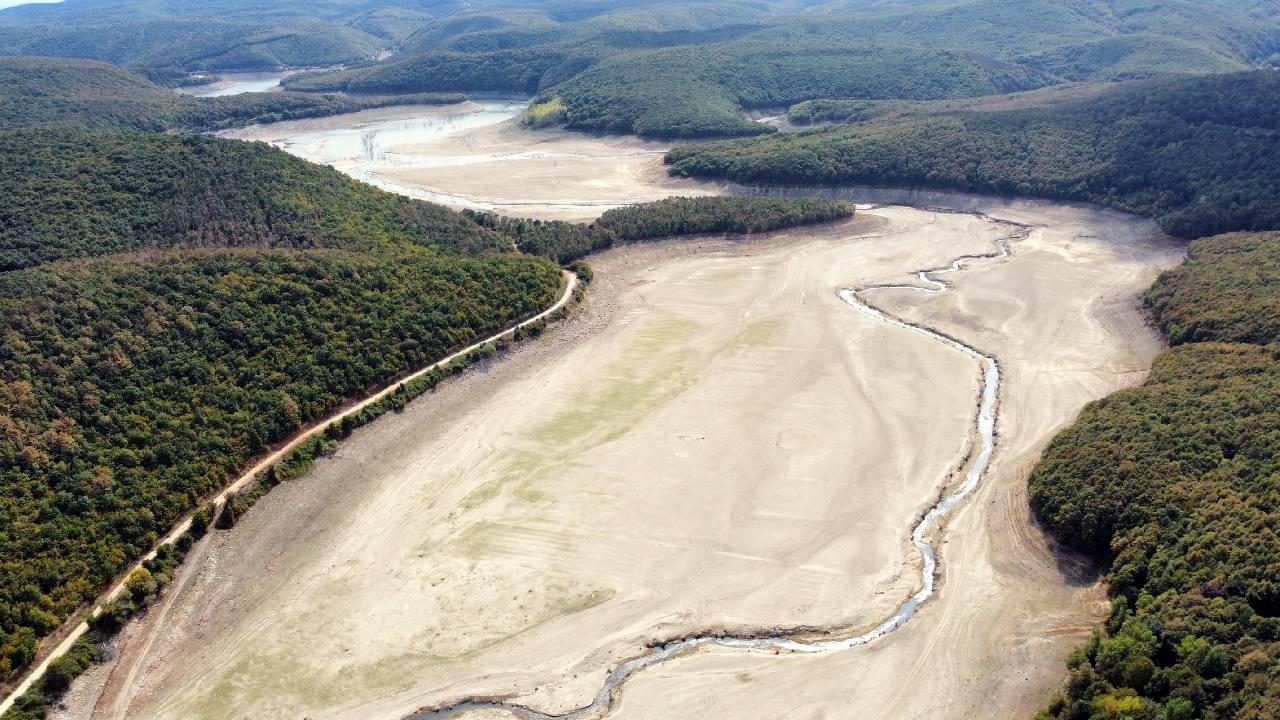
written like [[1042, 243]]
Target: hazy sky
[[11, 3]]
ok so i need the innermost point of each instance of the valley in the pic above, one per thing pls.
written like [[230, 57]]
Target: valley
[[718, 443], [587, 359]]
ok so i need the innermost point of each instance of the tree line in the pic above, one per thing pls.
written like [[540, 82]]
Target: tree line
[[69, 193], [1201, 155], [565, 242], [1175, 487]]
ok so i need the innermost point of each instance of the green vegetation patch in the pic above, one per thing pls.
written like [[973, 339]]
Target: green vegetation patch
[[1177, 484], [131, 387], [700, 91], [1228, 290], [1201, 155], [513, 71], [565, 242], [74, 193]]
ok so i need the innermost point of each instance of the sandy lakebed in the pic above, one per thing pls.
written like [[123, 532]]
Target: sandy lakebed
[[474, 155], [716, 442]]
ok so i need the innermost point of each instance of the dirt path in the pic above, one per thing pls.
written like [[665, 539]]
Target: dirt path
[[247, 477]]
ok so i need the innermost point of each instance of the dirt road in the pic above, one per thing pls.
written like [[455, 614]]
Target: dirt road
[[245, 478]]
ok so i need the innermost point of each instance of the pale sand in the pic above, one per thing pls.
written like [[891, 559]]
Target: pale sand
[[1060, 315], [718, 442], [547, 174], [475, 155]]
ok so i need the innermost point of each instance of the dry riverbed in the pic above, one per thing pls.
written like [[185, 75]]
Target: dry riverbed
[[717, 441], [474, 155]]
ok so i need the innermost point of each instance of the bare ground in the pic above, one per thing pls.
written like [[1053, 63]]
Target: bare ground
[[476, 155], [1061, 317], [716, 442]]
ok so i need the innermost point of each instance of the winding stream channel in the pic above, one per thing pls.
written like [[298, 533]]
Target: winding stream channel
[[924, 536]]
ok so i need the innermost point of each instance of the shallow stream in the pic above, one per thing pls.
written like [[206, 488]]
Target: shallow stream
[[924, 536]]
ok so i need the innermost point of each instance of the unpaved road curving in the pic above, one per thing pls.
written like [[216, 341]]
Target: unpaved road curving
[[718, 444], [116, 589]]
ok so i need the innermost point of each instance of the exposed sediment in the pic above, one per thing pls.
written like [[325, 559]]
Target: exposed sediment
[[924, 536]]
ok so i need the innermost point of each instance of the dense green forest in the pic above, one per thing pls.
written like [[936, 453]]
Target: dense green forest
[[701, 215], [74, 193], [188, 36], [132, 387], [1175, 485], [49, 92], [701, 91], [1201, 155], [688, 91], [691, 69], [1227, 291], [565, 242]]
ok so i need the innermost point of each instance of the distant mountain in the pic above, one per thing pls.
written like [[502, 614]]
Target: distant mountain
[[219, 35], [58, 92], [1202, 154], [691, 69]]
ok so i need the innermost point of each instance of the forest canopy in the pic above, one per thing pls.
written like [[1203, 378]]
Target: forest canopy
[[130, 387], [676, 216], [76, 193], [53, 92], [1228, 290], [679, 70], [1201, 155], [1175, 487]]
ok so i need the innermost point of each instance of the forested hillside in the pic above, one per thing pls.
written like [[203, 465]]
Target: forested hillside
[[173, 304], [132, 387], [691, 69], [188, 36], [1227, 291], [51, 92], [75, 193], [1175, 485], [1201, 155], [702, 91]]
